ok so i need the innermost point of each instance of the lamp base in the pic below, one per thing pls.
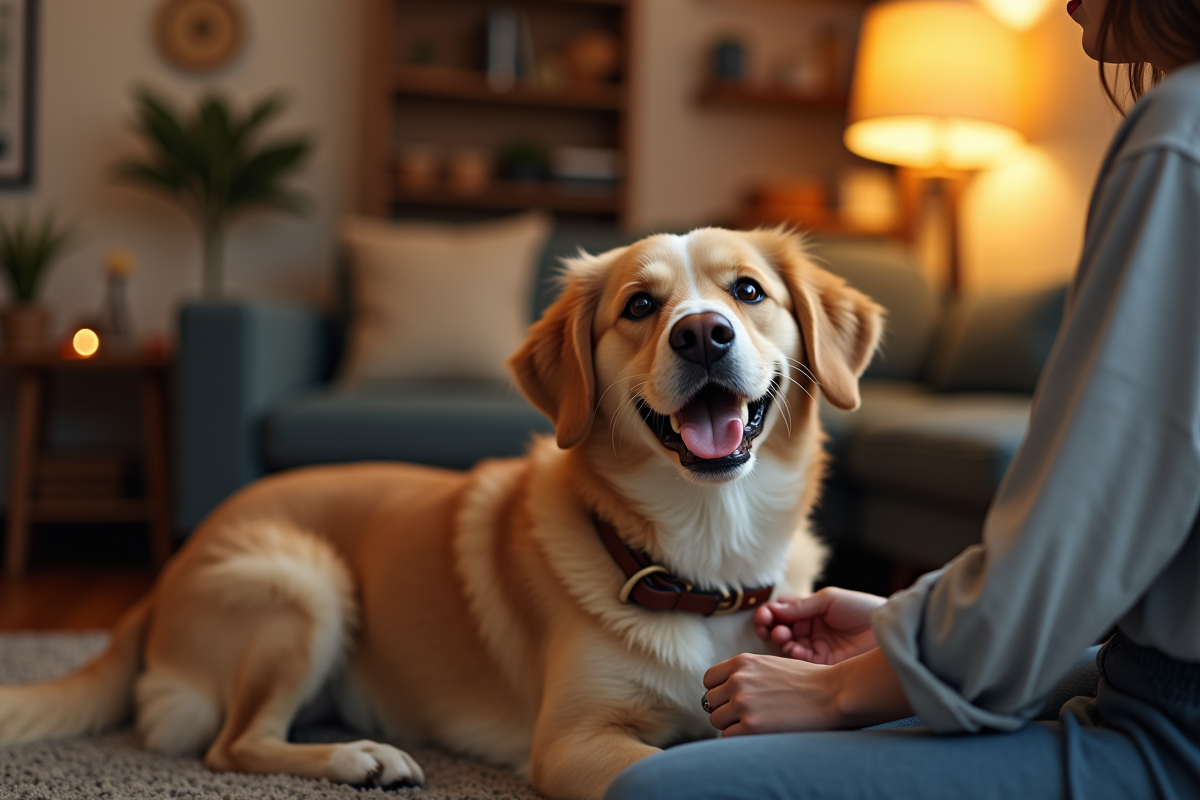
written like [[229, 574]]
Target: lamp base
[[929, 202]]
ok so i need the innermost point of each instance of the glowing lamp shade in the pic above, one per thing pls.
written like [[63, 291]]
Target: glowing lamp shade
[[1017, 14], [85, 342], [935, 86]]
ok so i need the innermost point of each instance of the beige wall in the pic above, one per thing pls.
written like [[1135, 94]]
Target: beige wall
[[1023, 222], [93, 54], [692, 165]]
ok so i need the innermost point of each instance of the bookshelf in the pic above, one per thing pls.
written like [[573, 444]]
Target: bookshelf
[[429, 87]]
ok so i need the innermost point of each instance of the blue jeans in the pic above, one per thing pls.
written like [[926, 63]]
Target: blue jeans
[[1137, 737]]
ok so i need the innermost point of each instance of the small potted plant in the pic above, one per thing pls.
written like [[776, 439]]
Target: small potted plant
[[26, 251], [211, 163]]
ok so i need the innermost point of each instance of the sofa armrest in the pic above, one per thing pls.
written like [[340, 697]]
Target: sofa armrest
[[235, 360]]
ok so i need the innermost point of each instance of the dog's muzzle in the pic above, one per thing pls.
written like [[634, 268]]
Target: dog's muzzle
[[715, 406]]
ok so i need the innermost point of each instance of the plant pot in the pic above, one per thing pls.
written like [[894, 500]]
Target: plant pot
[[24, 327]]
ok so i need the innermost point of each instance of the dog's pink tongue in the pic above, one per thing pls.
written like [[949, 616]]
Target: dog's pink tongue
[[711, 425]]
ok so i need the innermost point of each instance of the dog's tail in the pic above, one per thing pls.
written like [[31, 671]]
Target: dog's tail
[[95, 698]]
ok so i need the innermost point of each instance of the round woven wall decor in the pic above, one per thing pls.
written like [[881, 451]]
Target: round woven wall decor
[[199, 35]]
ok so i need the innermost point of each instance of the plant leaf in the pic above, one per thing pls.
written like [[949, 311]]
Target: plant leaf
[[259, 115], [26, 250], [161, 125], [257, 181]]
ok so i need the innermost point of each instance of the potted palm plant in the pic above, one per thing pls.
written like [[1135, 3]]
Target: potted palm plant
[[26, 250], [212, 164]]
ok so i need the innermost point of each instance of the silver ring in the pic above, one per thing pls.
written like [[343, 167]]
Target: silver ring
[[704, 703]]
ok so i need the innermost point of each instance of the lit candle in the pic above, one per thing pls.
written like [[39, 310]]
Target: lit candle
[[85, 342]]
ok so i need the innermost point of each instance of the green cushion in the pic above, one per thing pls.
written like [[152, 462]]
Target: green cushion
[[997, 341], [442, 423]]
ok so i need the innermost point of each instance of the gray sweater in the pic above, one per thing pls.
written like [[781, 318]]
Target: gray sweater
[[1095, 523]]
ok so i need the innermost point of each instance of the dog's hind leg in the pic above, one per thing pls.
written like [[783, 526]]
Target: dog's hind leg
[[269, 689], [290, 598]]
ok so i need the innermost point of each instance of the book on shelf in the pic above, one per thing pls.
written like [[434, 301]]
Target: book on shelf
[[510, 53]]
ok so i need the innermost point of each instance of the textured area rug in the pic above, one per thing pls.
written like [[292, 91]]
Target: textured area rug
[[113, 766]]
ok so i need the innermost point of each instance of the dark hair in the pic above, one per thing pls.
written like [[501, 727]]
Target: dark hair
[[1173, 26]]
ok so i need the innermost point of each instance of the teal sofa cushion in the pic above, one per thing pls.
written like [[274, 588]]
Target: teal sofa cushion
[[444, 423], [948, 447], [888, 273], [997, 341]]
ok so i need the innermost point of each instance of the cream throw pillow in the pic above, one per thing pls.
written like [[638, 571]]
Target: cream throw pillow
[[433, 300]]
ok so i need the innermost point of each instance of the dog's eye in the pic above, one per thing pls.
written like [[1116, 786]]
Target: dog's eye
[[640, 305], [748, 291]]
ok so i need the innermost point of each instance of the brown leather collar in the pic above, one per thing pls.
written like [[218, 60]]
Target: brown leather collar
[[655, 588]]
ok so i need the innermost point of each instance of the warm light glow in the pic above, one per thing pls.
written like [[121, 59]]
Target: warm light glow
[[929, 142], [936, 85], [1017, 14], [85, 342]]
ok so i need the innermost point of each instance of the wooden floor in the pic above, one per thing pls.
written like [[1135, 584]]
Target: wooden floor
[[70, 598]]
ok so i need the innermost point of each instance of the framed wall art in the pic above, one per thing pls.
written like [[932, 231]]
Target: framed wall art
[[18, 45]]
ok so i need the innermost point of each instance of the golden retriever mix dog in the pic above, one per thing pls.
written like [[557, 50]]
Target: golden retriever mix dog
[[554, 612]]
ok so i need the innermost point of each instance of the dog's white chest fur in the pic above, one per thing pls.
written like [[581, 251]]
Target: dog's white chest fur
[[719, 536]]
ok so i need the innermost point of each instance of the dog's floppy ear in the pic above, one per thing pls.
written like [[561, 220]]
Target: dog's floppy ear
[[841, 325], [554, 366]]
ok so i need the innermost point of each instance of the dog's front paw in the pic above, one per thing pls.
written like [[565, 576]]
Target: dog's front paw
[[367, 763]]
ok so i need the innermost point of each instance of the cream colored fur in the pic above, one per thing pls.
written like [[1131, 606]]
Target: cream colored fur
[[479, 610]]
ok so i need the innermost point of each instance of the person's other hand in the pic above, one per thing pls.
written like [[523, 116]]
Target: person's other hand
[[767, 694], [827, 627], [752, 694]]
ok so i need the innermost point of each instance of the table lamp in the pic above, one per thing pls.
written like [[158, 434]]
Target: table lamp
[[936, 91], [1017, 14]]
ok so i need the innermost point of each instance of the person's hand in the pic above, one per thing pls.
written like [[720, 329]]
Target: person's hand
[[752, 694], [825, 628]]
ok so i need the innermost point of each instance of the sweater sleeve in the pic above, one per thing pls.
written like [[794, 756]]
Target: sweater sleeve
[[1105, 489]]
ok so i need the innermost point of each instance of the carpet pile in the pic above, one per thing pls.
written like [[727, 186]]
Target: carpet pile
[[113, 765]]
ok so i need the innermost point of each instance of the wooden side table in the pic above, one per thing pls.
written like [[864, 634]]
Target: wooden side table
[[153, 508]]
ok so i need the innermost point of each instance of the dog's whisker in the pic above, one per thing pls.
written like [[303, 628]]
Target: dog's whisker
[[799, 385], [802, 367], [784, 407], [627, 405], [804, 370]]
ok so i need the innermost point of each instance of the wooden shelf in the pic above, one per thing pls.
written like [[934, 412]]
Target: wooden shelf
[[452, 104], [89, 509], [508, 196], [455, 84], [735, 95], [51, 359]]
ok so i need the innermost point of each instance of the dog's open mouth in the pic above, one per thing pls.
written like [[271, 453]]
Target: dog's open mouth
[[713, 431]]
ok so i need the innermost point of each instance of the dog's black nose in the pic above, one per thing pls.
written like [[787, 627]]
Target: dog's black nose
[[702, 338]]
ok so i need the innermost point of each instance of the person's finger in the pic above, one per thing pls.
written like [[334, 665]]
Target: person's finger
[[736, 729], [723, 717], [799, 651], [763, 616], [762, 632], [718, 696], [718, 674], [798, 609], [781, 634]]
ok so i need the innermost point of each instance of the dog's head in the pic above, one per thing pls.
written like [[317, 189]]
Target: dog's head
[[694, 342]]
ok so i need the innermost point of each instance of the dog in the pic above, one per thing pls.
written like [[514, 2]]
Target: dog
[[553, 612]]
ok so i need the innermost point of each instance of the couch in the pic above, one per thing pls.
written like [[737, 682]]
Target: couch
[[945, 404]]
